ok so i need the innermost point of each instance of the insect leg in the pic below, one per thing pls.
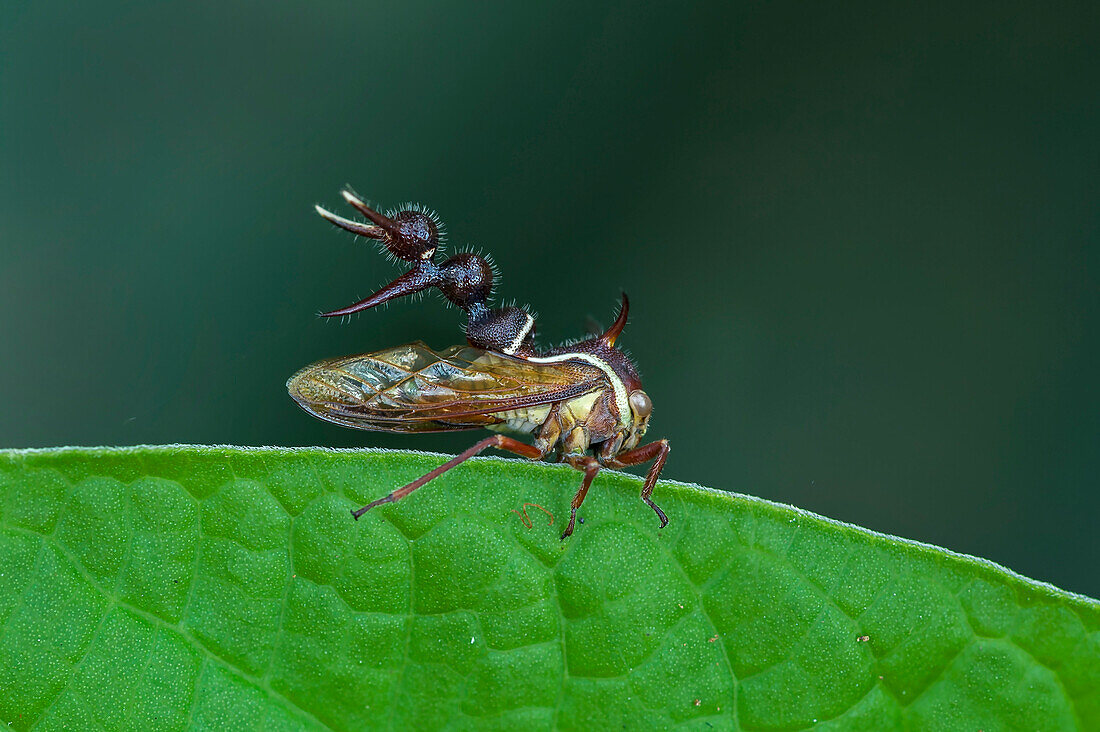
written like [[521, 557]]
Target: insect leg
[[590, 466], [656, 451], [500, 442]]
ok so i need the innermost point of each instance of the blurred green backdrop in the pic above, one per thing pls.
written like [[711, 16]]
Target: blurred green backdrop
[[860, 239]]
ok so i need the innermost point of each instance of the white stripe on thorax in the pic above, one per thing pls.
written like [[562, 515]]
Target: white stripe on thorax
[[622, 400], [518, 340]]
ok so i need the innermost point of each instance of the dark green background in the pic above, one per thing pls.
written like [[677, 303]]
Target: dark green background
[[861, 241]]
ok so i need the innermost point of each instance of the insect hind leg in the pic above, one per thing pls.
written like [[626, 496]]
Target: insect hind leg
[[501, 442]]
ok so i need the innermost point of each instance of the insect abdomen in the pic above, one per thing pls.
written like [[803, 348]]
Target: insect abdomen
[[522, 421]]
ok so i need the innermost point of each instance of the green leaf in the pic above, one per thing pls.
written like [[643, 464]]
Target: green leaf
[[229, 588]]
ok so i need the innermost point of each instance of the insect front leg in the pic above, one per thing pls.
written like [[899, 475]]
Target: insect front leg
[[656, 451], [590, 466], [500, 442]]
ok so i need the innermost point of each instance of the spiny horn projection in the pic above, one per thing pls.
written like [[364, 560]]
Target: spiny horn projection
[[369, 212], [373, 232], [410, 234], [612, 334], [465, 279], [420, 278]]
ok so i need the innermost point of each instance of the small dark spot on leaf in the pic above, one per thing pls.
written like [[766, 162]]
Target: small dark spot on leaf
[[863, 638]]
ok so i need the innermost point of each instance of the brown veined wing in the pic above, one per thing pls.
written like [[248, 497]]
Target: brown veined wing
[[412, 388]]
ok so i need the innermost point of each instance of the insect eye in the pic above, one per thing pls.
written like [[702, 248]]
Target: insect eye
[[416, 236], [640, 403]]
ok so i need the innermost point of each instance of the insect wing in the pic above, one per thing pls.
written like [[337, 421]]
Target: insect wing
[[412, 388]]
